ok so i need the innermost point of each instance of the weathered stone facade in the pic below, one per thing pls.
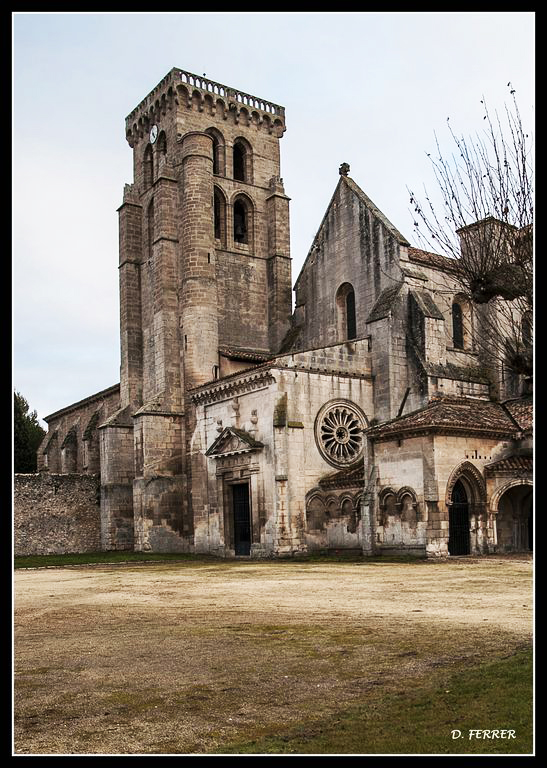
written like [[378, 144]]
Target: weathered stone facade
[[240, 428]]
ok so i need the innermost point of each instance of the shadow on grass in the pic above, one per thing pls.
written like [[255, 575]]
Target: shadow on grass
[[435, 718]]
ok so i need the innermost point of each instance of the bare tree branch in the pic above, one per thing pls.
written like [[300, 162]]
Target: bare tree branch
[[485, 224]]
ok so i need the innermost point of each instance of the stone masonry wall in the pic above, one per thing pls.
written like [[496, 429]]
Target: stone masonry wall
[[56, 514]]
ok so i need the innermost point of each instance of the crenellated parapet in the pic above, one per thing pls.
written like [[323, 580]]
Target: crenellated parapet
[[189, 91]]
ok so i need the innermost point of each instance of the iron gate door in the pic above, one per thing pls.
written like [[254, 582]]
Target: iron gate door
[[242, 519], [458, 522]]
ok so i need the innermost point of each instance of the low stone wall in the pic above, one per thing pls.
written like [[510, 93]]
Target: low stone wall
[[56, 514]]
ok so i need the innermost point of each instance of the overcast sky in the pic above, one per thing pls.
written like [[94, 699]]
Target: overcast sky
[[368, 89]]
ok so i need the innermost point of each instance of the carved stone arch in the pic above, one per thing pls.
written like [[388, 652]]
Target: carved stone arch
[[347, 511], [315, 491], [183, 95], [499, 492], [278, 128], [388, 505], [357, 499], [209, 104], [244, 116], [196, 100], [267, 123], [473, 481], [315, 510], [385, 493], [408, 504], [346, 496], [332, 506]]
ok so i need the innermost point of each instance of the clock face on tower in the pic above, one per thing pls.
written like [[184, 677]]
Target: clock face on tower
[[153, 134]]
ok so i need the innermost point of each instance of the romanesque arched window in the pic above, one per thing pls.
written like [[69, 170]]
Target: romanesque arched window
[[148, 169], [239, 162], [457, 326], [242, 161], [345, 310], [219, 151], [243, 220], [150, 228], [316, 515], [462, 323], [219, 208], [162, 144]]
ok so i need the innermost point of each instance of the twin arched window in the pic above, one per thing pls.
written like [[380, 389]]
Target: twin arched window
[[242, 219]]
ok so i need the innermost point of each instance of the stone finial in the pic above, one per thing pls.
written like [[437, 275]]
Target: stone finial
[[276, 185], [344, 169]]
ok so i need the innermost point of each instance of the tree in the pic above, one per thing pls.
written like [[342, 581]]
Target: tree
[[28, 434], [484, 223]]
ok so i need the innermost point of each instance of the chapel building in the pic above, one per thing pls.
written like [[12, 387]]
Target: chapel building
[[367, 420]]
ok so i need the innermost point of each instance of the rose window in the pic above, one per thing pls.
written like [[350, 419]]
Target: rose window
[[339, 433]]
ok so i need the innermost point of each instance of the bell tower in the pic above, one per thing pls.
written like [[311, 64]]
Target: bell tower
[[205, 278]]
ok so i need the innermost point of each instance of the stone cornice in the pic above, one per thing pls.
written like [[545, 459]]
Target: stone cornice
[[225, 389]]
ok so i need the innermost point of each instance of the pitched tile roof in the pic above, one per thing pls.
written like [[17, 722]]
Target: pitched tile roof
[[511, 464], [429, 259], [447, 414], [522, 410], [240, 353], [353, 477]]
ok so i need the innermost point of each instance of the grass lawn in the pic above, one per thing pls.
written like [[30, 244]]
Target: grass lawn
[[420, 720], [143, 653]]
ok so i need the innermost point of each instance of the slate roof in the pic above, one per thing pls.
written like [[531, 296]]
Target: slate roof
[[447, 414]]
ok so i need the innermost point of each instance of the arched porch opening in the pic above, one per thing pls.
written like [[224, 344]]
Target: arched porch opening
[[515, 519], [467, 513]]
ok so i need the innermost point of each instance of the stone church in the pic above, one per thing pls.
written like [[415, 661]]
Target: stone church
[[365, 420]]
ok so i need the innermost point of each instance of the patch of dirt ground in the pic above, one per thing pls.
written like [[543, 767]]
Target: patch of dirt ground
[[185, 657]]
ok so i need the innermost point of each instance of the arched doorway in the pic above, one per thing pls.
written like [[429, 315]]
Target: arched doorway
[[458, 521], [515, 520]]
